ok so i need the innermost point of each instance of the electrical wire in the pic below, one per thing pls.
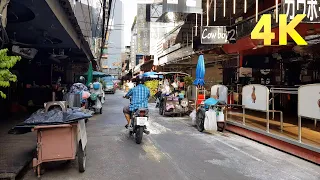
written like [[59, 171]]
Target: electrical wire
[[114, 4]]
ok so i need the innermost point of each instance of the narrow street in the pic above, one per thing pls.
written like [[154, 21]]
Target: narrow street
[[174, 150]]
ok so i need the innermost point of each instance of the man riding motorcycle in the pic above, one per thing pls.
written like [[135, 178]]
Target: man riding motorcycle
[[139, 99]]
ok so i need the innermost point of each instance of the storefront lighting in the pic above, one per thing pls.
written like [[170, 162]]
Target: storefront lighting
[[245, 6], [207, 12], [215, 10], [224, 8], [257, 10], [234, 6], [277, 10]]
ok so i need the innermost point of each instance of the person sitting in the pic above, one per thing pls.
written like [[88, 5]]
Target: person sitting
[[139, 99]]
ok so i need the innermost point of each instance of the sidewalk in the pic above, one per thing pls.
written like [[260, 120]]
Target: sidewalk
[[15, 150]]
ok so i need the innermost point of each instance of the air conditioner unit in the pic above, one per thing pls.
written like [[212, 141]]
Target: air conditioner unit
[[28, 53]]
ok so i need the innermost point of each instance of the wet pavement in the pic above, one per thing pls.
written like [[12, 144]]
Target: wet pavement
[[174, 150]]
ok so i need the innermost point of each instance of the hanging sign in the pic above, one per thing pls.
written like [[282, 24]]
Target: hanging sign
[[218, 35]]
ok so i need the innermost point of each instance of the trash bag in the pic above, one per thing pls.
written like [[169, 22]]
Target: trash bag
[[210, 121], [56, 116], [193, 116]]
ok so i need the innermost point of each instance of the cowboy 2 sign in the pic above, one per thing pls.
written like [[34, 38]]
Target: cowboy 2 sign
[[218, 35]]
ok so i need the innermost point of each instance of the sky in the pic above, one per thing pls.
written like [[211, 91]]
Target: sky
[[130, 11]]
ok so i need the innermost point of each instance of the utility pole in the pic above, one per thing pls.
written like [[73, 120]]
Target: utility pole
[[104, 28]]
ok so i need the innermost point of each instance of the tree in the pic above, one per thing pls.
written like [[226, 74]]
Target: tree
[[7, 62]]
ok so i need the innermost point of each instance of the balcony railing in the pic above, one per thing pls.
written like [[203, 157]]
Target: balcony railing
[[245, 27]]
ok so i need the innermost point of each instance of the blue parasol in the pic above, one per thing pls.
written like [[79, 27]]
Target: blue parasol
[[152, 75], [200, 72]]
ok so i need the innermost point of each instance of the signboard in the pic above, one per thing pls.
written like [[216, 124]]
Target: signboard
[[219, 92], [256, 97], [143, 31], [182, 6], [217, 35], [309, 101]]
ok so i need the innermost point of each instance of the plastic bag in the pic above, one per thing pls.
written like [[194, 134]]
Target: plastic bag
[[220, 117], [85, 95], [210, 122], [193, 116]]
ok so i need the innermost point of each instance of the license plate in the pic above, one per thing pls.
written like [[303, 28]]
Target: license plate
[[141, 121]]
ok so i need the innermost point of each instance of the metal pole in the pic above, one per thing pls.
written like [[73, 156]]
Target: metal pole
[[268, 122], [243, 115], [273, 105], [299, 129], [196, 33], [281, 121]]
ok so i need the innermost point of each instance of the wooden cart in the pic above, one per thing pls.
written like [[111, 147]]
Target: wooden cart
[[60, 142]]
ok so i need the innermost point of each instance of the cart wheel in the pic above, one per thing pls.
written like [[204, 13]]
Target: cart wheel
[[81, 158]]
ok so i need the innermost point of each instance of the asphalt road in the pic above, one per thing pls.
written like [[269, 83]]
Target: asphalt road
[[174, 150]]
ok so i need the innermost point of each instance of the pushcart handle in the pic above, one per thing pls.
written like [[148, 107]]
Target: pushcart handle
[[51, 126]]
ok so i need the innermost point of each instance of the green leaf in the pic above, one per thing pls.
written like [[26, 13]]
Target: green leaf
[[7, 62]]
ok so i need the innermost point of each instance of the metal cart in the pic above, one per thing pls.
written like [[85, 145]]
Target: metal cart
[[60, 142]]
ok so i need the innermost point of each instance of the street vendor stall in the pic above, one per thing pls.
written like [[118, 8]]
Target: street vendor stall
[[173, 97], [61, 134]]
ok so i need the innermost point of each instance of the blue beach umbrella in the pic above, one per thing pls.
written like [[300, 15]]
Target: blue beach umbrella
[[200, 72]]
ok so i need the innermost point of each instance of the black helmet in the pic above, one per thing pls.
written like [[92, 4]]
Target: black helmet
[[140, 79], [82, 79]]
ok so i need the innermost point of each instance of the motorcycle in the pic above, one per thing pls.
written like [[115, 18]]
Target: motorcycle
[[138, 123], [95, 103]]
